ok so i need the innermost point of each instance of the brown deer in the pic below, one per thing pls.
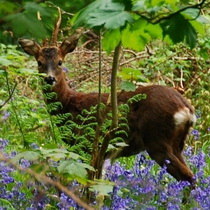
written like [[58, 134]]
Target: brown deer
[[158, 124]]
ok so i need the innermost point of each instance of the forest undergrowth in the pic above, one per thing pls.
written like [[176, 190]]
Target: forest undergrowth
[[39, 171]]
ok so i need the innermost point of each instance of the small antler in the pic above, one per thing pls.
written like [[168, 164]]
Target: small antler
[[45, 42], [56, 29]]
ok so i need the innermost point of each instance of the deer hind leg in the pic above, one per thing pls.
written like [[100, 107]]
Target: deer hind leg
[[177, 167]]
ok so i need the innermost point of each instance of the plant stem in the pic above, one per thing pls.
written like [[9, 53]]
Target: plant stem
[[114, 105], [14, 110]]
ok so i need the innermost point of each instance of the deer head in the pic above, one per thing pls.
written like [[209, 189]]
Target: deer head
[[50, 59]]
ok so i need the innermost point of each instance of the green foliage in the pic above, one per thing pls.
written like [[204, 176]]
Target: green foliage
[[133, 23], [186, 32], [33, 19], [23, 120], [137, 22]]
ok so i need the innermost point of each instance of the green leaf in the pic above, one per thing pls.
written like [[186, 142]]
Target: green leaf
[[55, 154], [127, 86], [154, 30], [27, 23], [28, 155], [3, 73], [103, 13], [121, 144], [130, 74], [26, 71], [80, 19], [72, 168], [109, 19], [179, 30], [135, 39], [5, 62], [103, 188], [111, 40]]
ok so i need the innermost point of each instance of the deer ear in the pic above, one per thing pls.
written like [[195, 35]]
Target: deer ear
[[69, 44], [29, 46]]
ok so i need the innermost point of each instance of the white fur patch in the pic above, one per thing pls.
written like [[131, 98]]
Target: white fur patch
[[184, 115]]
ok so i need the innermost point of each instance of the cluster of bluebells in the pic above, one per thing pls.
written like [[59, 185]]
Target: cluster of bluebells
[[143, 186], [140, 188], [12, 193], [9, 189]]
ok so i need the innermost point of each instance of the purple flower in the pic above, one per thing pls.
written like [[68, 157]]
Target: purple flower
[[196, 134], [34, 146], [65, 69], [5, 115], [3, 143], [24, 163]]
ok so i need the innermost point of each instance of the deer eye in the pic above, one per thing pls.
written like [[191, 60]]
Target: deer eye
[[60, 63], [39, 63]]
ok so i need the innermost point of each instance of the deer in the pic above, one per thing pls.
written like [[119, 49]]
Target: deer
[[159, 124]]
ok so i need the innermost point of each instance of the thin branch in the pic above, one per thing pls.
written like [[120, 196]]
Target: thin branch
[[44, 179], [158, 19]]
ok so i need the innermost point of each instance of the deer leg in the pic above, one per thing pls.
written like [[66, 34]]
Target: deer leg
[[176, 167]]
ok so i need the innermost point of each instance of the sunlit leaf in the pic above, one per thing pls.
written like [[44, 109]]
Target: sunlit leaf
[[72, 168], [55, 154], [28, 155], [110, 19], [129, 74], [101, 13], [135, 39], [103, 189], [111, 39], [127, 86], [5, 62]]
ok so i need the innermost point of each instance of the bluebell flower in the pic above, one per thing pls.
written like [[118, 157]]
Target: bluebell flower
[[5, 115], [196, 134], [34, 146], [24, 163], [65, 69], [3, 143]]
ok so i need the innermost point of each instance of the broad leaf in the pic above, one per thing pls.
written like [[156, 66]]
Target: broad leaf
[[135, 39], [5, 62], [3, 73], [179, 29], [130, 74], [101, 13], [111, 40], [127, 86], [74, 168], [55, 154], [103, 189], [110, 19], [28, 155]]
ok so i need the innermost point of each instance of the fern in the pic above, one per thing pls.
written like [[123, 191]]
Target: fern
[[137, 98]]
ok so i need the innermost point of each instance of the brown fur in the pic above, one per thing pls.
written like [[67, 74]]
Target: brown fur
[[151, 120]]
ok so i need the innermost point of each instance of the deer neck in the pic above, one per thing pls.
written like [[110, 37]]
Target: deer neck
[[64, 93]]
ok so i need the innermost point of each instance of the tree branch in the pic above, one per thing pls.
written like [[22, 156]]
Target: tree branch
[[158, 18]]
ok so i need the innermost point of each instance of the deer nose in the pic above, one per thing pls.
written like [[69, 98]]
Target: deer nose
[[50, 80]]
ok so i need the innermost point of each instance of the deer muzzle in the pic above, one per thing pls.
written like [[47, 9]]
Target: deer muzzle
[[50, 80]]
